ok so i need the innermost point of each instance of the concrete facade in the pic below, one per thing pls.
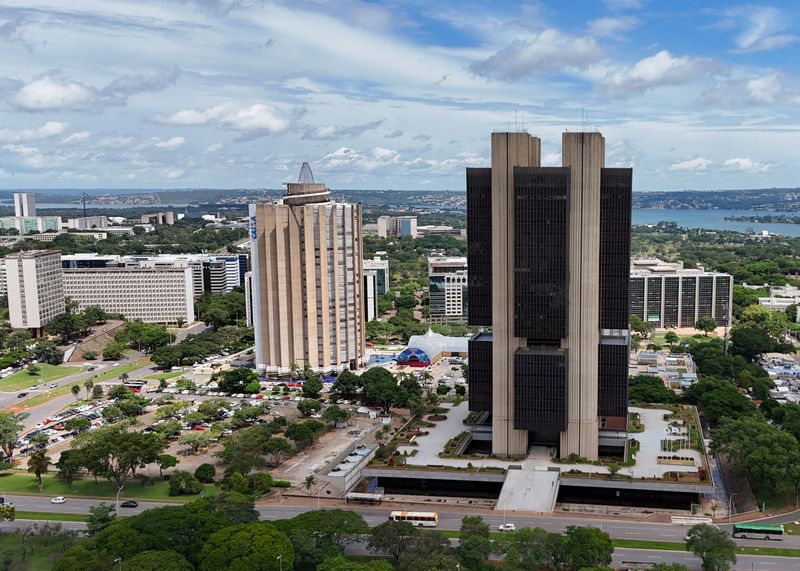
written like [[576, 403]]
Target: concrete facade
[[307, 281], [24, 204], [447, 289], [35, 288], [509, 150], [153, 295]]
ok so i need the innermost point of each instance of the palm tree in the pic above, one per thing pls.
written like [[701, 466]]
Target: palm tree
[[88, 384], [124, 376], [38, 464], [76, 390], [309, 482]]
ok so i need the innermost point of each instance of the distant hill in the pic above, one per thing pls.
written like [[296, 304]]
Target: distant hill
[[765, 199]]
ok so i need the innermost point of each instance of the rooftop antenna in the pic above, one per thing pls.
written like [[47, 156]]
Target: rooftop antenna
[[516, 126], [306, 176]]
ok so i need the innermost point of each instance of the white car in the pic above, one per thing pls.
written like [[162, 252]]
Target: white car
[[508, 527], [58, 500]]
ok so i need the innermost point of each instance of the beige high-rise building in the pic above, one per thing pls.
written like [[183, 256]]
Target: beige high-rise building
[[307, 286], [549, 250], [35, 288]]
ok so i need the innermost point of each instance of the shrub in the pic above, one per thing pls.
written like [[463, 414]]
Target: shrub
[[205, 473], [184, 484], [90, 355], [260, 483], [235, 482], [281, 484]]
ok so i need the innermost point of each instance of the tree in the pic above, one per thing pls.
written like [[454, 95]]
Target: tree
[[312, 387], [165, 462], [167, 356], [38, 465], [97, 392], [318, 535], [75, 390], [113, 351], [159, 561], [335, 414], [587, 547], [115, 453], [205, 473], [649, 389], [301, 434], [78, 424], [718, 398], [233, 507], [47, 352], [100, 517], [713, 546], [33, 369], [475, 544], [706, 325], [67, 326], [309, 406], [234, 380], [194, 440], [88, 384], [640, 326], [94, 315], [10, 428], [184, 484], [118, 392], [346, 385], [69, 464], [392, 538], [277, 449], [671, 337], [380, 386], [430, 551], [247, 547], [750, 341], [532, 548]]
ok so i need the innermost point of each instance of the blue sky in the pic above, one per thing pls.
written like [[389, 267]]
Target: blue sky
[[391, 94]]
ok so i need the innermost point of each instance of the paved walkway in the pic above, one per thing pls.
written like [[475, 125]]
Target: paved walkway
[[532, 489]]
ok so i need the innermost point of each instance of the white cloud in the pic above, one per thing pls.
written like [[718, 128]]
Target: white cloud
[[333, 132], [233, 116], [171, 144], [47, 93], [49, 129], [622, 4], [746, 165], [130, 176], [393, 134], [611, 27], [697, 164], [213, 148], [175, 173], [763, 28], [78, 137], [765, 89], [547, 52], [649, 73], [551, 160], [346, 157]]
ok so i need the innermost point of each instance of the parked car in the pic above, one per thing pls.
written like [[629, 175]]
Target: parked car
[[58, 500], [22, 395], [129, 504]]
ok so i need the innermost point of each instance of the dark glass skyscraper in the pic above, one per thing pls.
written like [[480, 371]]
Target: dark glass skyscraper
[[549, 255]]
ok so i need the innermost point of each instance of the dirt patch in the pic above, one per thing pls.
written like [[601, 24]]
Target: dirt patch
[[96, 341]]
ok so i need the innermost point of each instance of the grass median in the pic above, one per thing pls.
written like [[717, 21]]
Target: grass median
[[50, 516], [47, 372], [25, 484], [674, 546]]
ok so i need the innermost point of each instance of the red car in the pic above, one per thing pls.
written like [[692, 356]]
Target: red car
[[198, 427]]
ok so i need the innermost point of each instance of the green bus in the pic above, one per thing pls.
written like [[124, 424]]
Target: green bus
[[757, 531]]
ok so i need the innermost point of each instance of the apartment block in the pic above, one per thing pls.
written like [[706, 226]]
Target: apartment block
[[669, 295], [447, 289], [376, 283], [35, 288], [549, 252], [307, 280], [397, 226], [153, 295]]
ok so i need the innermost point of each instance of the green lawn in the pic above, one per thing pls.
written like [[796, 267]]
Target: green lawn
[[670, 546], [166, 375], [16, 482], [115, 372], [50, 516], [42, 398], [24, 380]]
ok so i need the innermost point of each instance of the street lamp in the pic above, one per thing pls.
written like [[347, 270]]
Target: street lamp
[[730, 505], [119, 560], [118, 493], [280, 561]]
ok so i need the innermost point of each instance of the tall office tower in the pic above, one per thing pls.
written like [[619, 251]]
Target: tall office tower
[[24, 204], [549, 251], [447, 289], [307, 270], [35, 288]]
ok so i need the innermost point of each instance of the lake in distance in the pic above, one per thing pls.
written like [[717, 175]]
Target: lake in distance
[[715, 220]]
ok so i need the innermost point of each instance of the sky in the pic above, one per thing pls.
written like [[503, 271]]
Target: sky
[[392, 94]]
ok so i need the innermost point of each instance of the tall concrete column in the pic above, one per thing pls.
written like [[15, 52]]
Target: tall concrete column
[[584, 153], [508, 151]]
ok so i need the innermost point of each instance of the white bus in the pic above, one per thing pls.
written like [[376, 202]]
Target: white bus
[[417, 519]]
